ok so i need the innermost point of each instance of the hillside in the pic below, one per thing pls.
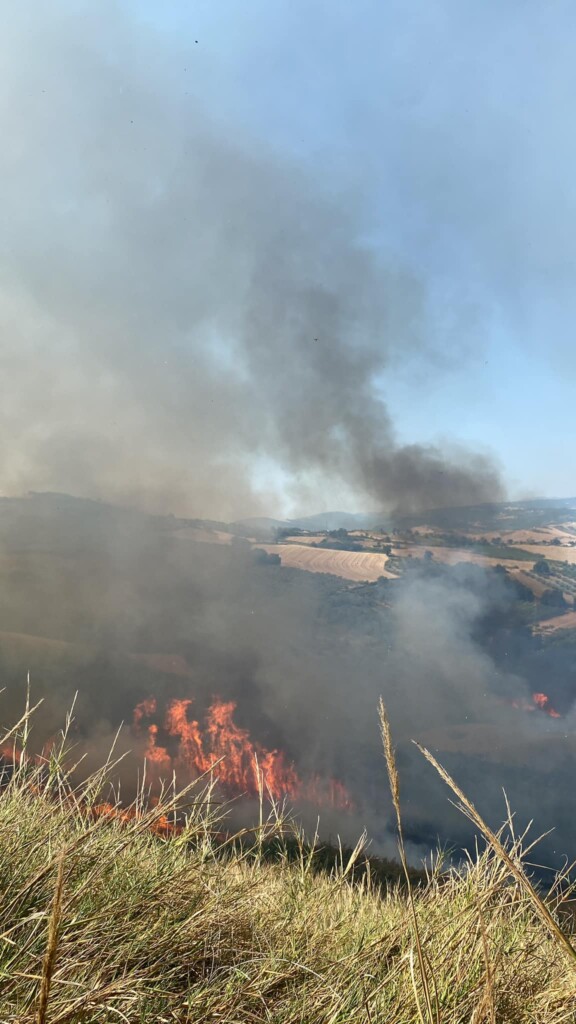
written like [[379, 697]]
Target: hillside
[[183, 644], [205, 929], [539, 551], [236, 652]]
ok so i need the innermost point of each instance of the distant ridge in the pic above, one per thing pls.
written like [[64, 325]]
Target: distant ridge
[[316, 523], [500, 515], [259, 523], [504, 515], [508, 515], [333, 521]]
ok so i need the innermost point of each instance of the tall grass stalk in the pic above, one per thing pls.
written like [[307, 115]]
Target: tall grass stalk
[[52, 943], [394, 780], [513, 865]]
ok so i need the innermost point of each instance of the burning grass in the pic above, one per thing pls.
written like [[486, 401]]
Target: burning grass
[[106, 919], [221, 748]]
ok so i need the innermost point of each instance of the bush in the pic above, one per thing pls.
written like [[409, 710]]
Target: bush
[[261, 557], [553, 599]]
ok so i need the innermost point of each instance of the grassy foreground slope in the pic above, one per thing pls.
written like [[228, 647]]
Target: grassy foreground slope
[[104, 918]]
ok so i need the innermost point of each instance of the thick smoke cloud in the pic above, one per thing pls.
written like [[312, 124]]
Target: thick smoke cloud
[[180, 309]]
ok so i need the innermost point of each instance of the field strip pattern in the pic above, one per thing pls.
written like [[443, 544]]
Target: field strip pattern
[[350, 565]]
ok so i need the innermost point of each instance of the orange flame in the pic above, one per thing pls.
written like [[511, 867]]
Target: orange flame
[[160, 826], [542, 701], [240, 765], [13, 755], [539, 702]]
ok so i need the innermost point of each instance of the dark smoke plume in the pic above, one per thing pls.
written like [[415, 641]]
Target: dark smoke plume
[[187, 320]]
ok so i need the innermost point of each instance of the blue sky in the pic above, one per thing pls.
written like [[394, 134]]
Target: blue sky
[[450, 125]]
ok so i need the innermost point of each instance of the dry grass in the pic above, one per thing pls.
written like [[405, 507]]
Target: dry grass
[[350, 565], [103, 920], [565, 621], [537, 586], [553, 554], [452, 556], [538, 534]]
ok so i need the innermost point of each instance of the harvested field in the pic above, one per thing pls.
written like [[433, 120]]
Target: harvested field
[[565, 621], [350, 565], [313, 538], [554, 554], [450, 556], [537, 586], [538, 534]]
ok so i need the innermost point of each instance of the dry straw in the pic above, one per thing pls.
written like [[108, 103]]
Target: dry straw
[[51, 944], [514, 866], [423, 964]]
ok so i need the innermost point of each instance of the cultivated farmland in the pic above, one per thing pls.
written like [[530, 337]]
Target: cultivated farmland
[[451, 556], [351, 565], [555, 554]]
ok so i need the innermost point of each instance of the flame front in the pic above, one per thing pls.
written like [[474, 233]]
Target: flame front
[[542, 701], [539, 702], [240, 765]]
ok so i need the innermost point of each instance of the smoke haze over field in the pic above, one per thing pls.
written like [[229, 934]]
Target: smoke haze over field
[[189, 321], [122, 607]]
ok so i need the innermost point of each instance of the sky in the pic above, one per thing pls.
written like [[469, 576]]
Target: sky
[[450, 123], [417, 157]]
